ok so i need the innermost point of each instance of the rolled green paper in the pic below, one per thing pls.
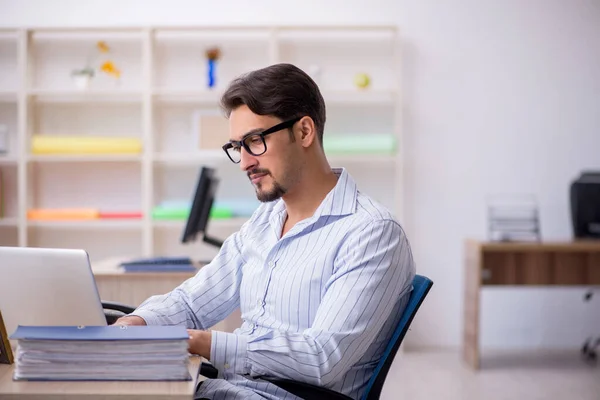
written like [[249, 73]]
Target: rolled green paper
[[182, 213], [221, 213], [171, 213]]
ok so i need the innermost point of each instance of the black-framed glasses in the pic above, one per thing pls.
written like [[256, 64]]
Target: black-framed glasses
[[254, 143]]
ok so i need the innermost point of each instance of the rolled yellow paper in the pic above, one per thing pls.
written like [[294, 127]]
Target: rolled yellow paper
[[49, 144]]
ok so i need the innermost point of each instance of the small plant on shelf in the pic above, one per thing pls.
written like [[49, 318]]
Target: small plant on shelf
[[83, 76]]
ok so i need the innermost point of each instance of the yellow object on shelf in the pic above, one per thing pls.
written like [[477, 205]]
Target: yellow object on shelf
[[50, 144], [362, 80], [53, 214]]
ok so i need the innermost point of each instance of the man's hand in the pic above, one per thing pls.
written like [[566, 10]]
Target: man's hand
[[130, 320], [199, 342]]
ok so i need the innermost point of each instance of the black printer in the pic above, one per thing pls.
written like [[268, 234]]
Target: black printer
[[585, 205]]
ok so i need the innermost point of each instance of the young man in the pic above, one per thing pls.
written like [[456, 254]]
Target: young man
[[320, 271]]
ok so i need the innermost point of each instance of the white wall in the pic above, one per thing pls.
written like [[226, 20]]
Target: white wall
[[501, 96]]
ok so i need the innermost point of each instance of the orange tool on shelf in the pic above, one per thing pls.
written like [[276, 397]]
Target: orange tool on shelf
[[54, 214]]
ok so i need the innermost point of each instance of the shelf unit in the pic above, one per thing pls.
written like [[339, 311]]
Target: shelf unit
[[158, 98]]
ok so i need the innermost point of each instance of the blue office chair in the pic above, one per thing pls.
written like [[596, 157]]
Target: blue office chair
[[421, 287]]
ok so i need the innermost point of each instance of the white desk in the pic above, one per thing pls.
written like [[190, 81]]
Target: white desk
[[132, 288], [169, 390]]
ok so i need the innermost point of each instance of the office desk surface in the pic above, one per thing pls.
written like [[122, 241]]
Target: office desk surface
[[19, 390]]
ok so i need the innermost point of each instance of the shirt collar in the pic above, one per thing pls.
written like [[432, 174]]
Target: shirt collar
[[341, 200]]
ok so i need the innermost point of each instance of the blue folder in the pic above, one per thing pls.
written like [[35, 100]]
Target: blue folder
[[159, 261], [160, 264], [100, 333], [159, 268]]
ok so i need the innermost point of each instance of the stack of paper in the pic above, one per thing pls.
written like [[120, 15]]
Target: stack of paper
[[133, 353]]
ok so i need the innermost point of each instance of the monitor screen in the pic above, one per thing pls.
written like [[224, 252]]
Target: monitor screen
[[202, 203]]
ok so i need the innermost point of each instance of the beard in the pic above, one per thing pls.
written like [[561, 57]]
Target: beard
[[265, 196]]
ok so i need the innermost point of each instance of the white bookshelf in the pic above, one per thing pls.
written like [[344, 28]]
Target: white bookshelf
[[162, 86]]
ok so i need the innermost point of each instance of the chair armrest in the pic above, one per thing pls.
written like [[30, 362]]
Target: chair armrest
[[113, 311], [208, 370], [305, 390], [113, 305]]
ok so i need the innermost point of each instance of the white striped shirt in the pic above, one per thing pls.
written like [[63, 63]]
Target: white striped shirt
[[318, 305]]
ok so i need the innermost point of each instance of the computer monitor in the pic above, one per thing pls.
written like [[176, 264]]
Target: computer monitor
[[202, 203], [197, 223]]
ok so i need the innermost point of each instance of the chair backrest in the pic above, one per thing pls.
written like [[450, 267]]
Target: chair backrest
[[421, 286]]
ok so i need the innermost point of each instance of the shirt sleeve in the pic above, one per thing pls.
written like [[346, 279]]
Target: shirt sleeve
[[205, 299], [373, 271]]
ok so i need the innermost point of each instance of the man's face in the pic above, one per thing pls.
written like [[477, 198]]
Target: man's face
[[273, 173]]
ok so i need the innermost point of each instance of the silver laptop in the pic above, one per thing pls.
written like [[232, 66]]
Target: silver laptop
[[41, 286]]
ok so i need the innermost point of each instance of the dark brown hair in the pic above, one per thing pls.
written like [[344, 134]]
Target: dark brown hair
[[280, 90]]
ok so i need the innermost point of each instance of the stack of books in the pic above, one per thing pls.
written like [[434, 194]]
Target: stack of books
[[101, 353]]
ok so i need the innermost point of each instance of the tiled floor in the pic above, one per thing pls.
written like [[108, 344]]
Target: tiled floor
[[530, 376]]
